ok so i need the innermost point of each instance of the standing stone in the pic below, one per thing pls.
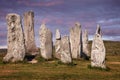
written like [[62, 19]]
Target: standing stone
[[85, 47], [45, 42], [57, 44], [58, 36], [98, 50], [15, 39], [65, 50], [29, 33], [75, 41]]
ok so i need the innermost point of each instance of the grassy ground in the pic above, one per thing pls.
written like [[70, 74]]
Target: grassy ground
[[53, 70]]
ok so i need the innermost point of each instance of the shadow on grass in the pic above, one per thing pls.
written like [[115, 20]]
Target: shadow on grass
[[68, 64], [99, 68]]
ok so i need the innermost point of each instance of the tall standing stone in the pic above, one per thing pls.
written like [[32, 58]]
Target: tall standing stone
[[65, 50], [15, 39], [85, 46], [75, 41], [29, 33], [45, 42], [98, 50], [57, 44]]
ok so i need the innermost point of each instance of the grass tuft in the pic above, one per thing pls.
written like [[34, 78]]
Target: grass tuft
[[99, 68]]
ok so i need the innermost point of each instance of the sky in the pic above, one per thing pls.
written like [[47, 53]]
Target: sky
[[63, 14]]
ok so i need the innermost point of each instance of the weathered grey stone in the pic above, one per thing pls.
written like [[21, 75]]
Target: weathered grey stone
[[58, 36], [98, 50], [75, 41], [15, 39], [85, 47], [30, 45], [65, 50], [45, 42], [58, 44]]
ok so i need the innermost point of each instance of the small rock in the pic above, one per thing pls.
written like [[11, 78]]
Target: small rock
[[33, 61]]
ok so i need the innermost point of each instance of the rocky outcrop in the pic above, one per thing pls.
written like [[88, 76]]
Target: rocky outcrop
[[15, 39], [75, 41], [45, 42], [98, 50], [31, 48]]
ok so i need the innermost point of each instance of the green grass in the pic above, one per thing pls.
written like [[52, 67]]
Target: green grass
[[55, 70]]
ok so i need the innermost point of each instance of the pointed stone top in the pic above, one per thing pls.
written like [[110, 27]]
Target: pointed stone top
[[43, 26], [29, 13], [98, 25], [10, 14], [98, 31], [58, 36], [13, 17], [85, 31], [85, 35], [77, 24]]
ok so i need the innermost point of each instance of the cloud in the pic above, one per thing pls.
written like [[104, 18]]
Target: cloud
[[63, 14], [45, 20], [109, 20], [113, 38], [39, 3], [111, 24], [111, 32], [3, 46]]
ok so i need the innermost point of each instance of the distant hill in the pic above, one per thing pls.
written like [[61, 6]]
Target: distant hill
[[3, 50], [112, 47]]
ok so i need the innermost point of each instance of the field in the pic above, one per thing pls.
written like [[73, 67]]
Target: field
[[54, 70]]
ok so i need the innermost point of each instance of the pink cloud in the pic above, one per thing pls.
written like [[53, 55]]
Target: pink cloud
[[109, 22], [49, 19], [111, 31], [59, 21], [46, 20], [46, 4], [90, 24], [71, 23]]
